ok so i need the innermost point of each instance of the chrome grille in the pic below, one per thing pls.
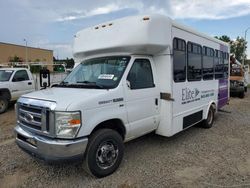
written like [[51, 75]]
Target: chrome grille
[[34, 117]]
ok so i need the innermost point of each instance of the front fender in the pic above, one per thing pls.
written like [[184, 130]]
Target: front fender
[[93, 117]]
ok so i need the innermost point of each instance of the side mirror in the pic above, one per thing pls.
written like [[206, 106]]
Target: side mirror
[[128, 84], [44, 78]]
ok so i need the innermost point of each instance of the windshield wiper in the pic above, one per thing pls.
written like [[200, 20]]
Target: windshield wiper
[[83, 84], [64, 83], [61, 84], [88, 83]]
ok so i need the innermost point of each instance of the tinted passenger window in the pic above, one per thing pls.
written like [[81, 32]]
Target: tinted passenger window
[[218, 64], [179, 60], [20, 75], [140, 75], [194, 62], [208, 63]]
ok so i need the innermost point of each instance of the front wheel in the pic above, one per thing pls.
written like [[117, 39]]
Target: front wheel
[[104, 152], [208, 123], [3, 104]]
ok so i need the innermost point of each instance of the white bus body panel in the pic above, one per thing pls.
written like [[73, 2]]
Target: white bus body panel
[[206, 92], [127, 35], [154, 37], [165, 76]]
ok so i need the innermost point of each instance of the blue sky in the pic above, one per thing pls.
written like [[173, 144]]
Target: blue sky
[[52, 24]]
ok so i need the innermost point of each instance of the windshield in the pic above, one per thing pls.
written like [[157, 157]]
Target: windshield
[[5, 75], [101, 73]]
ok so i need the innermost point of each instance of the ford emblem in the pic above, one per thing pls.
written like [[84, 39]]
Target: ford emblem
[[28, 117]]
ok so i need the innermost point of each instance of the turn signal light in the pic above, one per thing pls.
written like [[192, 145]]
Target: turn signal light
[[74, 122]]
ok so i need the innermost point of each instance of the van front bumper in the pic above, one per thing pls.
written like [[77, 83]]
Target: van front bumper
[[50, 149]]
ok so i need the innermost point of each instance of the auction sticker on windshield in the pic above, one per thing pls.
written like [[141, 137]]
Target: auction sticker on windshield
[[106, 76]]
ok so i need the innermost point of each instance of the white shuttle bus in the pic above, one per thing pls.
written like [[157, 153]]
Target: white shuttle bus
[[137, 75]]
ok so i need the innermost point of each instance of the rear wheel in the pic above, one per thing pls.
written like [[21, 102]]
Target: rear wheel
[[104, 153], [245, 88], [3, 104], [208, 123]]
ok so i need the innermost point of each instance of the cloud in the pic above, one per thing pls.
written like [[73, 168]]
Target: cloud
[[55, 22], [177, 9], [212, 10], [60, 50], [83, 14]]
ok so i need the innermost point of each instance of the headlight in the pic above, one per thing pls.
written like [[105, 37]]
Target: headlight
[[67, 124]]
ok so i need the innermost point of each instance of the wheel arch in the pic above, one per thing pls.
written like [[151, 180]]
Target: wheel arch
[[114, 124], [211, 104], [5, 93]]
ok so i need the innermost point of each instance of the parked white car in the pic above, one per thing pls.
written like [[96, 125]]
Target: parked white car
[[14, 82]]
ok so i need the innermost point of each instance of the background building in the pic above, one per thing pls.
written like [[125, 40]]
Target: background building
[[13, 52]]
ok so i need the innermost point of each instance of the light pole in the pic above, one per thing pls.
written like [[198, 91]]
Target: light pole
[[26, 50], [245, 38]]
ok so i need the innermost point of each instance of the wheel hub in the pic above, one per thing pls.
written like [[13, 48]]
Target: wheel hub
[[106, 155]]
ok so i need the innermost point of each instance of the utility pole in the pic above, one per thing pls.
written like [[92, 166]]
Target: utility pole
[[26, 50], [245, 38]]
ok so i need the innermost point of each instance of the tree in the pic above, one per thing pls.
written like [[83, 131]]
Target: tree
[[15, 59], [224, 38], [70, 63], [237, 46]]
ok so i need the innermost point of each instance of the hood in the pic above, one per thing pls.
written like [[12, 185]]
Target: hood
[[65, 97]]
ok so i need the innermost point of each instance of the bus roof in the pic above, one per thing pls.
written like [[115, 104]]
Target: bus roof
[[150, 34]]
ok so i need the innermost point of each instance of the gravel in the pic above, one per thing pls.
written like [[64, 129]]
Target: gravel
[[216, 157]]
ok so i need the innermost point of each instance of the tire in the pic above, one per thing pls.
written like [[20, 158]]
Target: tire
[[3, 104], [245, 88], [241, 95], [104, 153], [208, 123]]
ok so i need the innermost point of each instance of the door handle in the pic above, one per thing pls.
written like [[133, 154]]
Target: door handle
[[156, 101], [29, 83]]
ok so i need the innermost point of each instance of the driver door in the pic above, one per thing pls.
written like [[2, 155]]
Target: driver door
[[21, 84], [142, 98]]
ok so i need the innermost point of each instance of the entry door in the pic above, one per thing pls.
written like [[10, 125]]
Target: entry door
[[142, 98], [223, 92], [21, 84]]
